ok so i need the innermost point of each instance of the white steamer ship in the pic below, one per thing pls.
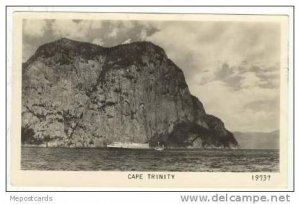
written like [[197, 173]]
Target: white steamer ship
[[129, 145]]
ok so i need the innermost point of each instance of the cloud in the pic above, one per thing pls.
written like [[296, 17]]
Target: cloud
[[246, 75], [250, 80], [78, 30], [269, 105], [199, 46], [66, 28], [117, 32], [98, 41], [127, 41], [144, 34], [105, 33], [240, 110], [113, 33], [34, 28]]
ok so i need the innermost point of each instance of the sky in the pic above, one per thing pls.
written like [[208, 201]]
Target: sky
[[233, 68]]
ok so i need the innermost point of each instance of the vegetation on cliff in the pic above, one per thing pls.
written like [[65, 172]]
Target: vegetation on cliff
[[77, 94]]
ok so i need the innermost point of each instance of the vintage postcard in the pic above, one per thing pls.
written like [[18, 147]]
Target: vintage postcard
[[150, 100]]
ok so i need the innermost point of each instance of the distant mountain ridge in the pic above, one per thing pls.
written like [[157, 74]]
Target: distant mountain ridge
[[77, 94], [258, 140]]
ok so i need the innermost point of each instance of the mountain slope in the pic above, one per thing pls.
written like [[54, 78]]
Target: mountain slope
[[77, 94], [258, 140]]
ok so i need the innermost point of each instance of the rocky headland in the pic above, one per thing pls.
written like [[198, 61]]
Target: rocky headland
[[77, 94]]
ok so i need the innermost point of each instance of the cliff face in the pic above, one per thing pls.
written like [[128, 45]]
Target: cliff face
[[78, 94]]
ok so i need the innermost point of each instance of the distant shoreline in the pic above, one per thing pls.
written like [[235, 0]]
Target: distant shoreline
[[168, 148]]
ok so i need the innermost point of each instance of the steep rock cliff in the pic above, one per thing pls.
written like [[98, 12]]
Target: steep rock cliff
[[78, 94]]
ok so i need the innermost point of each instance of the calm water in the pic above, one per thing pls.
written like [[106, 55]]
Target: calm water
[[93, 159]]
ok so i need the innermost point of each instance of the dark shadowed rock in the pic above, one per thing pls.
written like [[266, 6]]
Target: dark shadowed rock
[[80, 94]]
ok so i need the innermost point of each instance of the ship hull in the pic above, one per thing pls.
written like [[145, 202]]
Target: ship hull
[[128, 146]]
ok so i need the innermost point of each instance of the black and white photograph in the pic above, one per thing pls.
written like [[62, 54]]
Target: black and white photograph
[[198, 93]]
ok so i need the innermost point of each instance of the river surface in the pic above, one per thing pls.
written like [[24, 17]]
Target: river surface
[[102, 159]]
